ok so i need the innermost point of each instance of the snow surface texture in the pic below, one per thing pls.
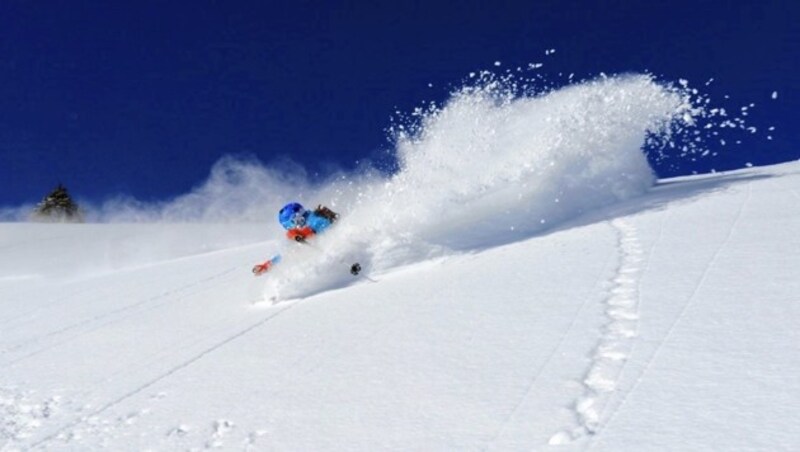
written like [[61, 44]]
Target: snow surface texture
[[536, 287], [664, 322]]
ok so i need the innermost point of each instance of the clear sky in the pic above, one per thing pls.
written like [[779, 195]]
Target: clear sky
[[141, 98]]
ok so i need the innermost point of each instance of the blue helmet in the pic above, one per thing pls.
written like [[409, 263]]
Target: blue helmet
[[292, 215]]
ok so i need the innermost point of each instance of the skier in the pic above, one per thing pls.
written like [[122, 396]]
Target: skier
[[300, 225]]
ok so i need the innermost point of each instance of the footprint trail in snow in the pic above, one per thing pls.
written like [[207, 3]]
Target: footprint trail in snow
[[616, 338]]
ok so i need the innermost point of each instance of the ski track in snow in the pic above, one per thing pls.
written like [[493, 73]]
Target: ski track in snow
[[532, 384], [689, 302], [92, 418], [24, 414], [20, 319], [616, 339], [147, 304]]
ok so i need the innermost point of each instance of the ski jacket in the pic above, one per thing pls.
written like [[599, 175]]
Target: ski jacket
[[300, 225], [315, 223]]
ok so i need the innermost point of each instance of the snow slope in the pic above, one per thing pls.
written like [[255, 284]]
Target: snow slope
[[664, 320], [536, 288]]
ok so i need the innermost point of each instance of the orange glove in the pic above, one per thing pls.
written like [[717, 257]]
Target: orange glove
[[262, 268], [266, 266]]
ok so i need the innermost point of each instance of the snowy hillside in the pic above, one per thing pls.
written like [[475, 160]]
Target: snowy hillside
[[667, 321], [534, 287]]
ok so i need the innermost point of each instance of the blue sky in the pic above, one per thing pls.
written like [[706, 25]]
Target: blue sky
[[141, 98]]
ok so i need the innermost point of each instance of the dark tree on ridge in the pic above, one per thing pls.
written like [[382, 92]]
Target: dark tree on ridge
[[58, 206]]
